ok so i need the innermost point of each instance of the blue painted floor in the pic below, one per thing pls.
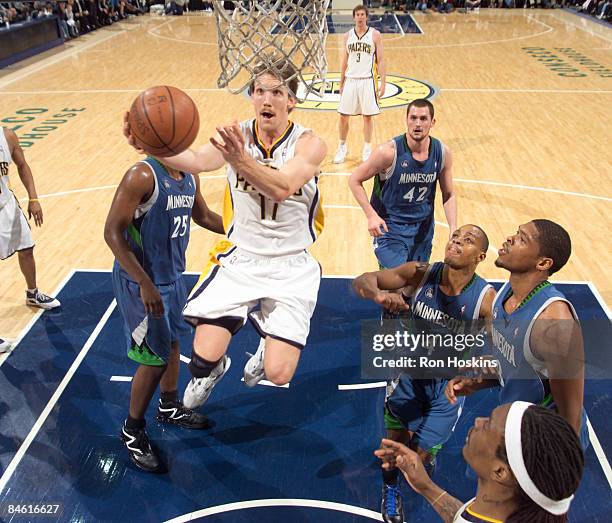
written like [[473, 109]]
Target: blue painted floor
[[308, 442], [385, 23]]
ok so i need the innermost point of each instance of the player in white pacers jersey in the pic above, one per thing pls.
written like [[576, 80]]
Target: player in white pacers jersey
[[362, 59], [272, 213], [15, 234]]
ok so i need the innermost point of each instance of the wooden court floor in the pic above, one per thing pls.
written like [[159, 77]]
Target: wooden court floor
[[522, 98]]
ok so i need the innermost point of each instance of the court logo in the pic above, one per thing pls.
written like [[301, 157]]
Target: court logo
[[399, 91]]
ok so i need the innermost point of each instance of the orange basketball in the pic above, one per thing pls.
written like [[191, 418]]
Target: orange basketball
[[164, 121]]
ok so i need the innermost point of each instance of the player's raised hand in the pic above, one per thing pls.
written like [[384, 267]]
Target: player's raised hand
[[377, 226], [395, 454], [127, 132], [232, 144], [460, 386]]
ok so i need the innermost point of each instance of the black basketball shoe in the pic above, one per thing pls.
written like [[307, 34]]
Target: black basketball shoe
[[139, 447], [175, 413]]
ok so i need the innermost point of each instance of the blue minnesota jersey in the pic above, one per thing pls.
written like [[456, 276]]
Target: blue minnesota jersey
[[453, 313], [159, 232], [523, 376], [406, 191]]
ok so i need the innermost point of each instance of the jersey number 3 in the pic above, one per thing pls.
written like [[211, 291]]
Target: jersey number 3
[[410, 194]]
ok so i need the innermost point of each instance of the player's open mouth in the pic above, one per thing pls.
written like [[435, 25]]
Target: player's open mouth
[[454, 250], [267, 115], [504, 249]]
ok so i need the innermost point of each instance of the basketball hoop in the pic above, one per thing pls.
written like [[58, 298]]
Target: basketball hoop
[[272, 33]]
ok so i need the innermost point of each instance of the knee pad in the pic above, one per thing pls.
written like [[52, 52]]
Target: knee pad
[[200, 367]]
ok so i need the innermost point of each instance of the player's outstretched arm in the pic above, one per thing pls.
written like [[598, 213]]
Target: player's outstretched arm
[[371, 285], [557, 340], [310, 151], [204, 159], [449, 199], [136, 187], [201, 213], [395, 454], [25, 174], [380, 160]]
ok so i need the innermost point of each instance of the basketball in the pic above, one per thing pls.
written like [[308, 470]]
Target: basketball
[[164, 121]]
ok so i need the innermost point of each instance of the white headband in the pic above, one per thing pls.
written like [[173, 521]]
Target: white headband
[[514, 451]]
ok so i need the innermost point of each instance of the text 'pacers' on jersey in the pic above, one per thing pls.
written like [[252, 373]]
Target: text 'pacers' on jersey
[[361, 54], [258, 224]]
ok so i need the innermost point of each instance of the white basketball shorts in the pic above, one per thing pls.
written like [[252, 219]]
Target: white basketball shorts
[[359, 97], [15, 234], [236, 281]]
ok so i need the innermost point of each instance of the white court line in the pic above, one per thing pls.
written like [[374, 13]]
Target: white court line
[[533, 188], [73, 191], [599, 298], [521, 91], [585, 29], [597, 448], [270, 384], [599, 452], [330, 47], [487, 42], [216, 89], [121, 378], [342, 174], [356, 207], [357, 386], [105, 91], [417, 24], [34, 319], [54, 399], [282, 502], [399, 25], [503, 184]]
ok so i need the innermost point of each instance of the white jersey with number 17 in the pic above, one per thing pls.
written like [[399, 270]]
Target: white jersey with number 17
[[258, 224]]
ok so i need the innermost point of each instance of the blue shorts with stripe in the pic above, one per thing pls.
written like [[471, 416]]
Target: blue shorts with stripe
[[149, 339], [403, 243], [421, 407]]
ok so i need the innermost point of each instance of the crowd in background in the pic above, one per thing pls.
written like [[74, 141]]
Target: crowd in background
[[602, 9], [77, 17]]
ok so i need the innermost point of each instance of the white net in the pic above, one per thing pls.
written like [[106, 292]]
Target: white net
[[272, 34]]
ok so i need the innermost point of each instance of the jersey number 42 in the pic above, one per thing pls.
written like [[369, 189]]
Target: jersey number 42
[[410, 194]]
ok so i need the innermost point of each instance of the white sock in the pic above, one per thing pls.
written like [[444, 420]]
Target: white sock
[[31, 291]]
